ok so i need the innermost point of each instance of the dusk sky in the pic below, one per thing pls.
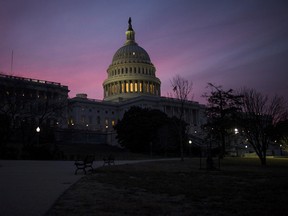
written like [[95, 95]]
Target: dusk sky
[[233, 43]]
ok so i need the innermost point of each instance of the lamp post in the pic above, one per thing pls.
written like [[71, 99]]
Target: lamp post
[[38, 132], [190, 143]]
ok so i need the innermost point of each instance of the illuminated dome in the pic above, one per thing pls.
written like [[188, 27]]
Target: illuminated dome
[[131, 53], [131, 72]]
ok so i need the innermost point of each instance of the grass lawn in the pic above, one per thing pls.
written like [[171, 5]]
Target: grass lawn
[[240, 187]]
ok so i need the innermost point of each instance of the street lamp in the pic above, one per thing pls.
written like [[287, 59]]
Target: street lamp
[[190, 143], [38, 132]]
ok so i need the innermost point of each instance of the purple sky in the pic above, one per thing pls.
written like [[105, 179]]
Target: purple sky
[[233, 43]]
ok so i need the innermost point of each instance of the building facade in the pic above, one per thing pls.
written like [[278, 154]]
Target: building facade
[[33, 100]]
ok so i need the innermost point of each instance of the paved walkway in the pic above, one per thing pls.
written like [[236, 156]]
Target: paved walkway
[[32, 187]]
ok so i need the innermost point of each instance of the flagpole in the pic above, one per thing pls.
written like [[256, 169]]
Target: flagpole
[[12, 58]]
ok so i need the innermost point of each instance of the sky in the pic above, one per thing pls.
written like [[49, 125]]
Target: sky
[[232, 43]]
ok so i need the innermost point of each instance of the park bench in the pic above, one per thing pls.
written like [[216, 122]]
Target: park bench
[[85, 164], [109, 160]]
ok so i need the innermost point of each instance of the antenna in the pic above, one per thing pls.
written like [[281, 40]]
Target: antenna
[[12, 58]]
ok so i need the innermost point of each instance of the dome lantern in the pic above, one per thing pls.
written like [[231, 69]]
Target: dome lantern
[[130, 34]]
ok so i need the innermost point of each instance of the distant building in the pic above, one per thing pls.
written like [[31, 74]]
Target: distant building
[[32, 100]]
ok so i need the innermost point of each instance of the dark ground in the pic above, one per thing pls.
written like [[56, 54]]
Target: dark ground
[[240, 187]]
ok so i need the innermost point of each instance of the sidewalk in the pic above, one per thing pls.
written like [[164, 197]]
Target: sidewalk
[[31, 187]]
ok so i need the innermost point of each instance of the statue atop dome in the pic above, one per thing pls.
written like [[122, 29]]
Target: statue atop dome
[[130, 24], [130, 34]]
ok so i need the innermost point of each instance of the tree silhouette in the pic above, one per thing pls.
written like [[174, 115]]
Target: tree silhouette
[[221, 111], [141, 129], [182, 90], [260, 115]]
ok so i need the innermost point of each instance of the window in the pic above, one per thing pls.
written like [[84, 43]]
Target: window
[[136, 86], [122, 87], [83, 119], [127, 87], [131, 87]]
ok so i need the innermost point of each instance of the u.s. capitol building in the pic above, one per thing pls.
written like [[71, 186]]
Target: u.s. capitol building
[[131, 81]]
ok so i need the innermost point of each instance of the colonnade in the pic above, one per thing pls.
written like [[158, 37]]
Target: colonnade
[[132, 86]]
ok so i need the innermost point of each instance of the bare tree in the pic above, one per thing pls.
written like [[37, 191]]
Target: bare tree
[[282, 135], [259, 118], [182, 90]]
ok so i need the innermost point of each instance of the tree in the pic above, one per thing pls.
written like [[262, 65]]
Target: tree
[[221, 111], [282, 134], [260, 115], [138, 128], [182, 90]]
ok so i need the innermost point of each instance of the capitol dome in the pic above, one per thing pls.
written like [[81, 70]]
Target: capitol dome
[[131, 72], [131, 53]]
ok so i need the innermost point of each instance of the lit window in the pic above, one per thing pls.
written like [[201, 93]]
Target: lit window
[[122, 87], [151, 88], [131, 87], [127, 87]]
